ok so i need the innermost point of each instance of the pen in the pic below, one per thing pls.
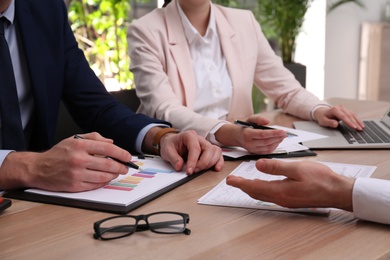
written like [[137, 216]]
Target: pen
[[128, 164], [256, 126]]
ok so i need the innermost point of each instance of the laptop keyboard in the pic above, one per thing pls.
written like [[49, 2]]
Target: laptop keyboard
[[372, 133]]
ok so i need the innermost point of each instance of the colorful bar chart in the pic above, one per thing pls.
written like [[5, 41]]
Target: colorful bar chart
[[130, 182]]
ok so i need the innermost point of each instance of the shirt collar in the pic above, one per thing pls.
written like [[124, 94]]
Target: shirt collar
[[10, 12], [190, 31]]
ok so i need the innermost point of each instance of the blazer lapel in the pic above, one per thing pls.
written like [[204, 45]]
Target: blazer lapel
[[180, 53], [230, 48]]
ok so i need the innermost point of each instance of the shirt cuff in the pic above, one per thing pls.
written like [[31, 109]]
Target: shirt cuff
[[315, 108], [371, 200], [142, 134], [3, 154], [211, 136]]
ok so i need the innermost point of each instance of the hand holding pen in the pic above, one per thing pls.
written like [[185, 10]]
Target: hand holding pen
[[69, 166], [246, 136], [128, 164], [256, 126]]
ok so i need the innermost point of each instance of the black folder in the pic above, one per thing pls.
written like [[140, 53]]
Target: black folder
[[302, 153]]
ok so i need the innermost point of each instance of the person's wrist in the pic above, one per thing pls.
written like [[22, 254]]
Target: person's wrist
[[159, 136], [317, 110], [16, 170], [229, 135], [344, 196]]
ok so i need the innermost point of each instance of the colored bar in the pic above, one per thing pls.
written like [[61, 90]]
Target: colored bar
[[124, 184], [118, 188], [158, 170], [129, 181], [133, 178], [143, 175], [147, 172]]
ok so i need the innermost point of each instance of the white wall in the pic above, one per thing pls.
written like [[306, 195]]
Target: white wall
[[343, 45], [310, 47]]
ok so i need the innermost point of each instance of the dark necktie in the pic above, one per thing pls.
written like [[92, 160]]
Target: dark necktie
[[11, 126]]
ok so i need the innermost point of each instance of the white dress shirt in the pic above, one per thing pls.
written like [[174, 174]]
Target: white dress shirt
[[214, 88], [371, 200]]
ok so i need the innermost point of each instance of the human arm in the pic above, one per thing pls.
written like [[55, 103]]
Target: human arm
[[310, 184], [279, 84], [72, 165]]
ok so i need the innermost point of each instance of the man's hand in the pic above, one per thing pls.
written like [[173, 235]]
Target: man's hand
[[200, 153], [72, 165], [308, 184], [330, 117]]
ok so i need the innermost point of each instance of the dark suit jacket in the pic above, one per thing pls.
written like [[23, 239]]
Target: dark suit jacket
[[58, 70]]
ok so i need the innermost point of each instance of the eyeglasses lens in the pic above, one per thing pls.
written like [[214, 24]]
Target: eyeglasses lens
[[117, 227], [166, 223]]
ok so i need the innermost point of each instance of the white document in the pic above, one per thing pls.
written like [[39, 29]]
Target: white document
[[301, 136], [225, 195]]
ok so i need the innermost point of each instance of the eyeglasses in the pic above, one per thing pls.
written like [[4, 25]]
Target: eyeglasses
[[163, 222]]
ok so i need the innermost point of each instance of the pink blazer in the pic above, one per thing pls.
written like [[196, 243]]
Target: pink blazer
[[161, 63]]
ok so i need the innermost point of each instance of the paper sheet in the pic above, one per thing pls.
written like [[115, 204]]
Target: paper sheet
[[225, 195]]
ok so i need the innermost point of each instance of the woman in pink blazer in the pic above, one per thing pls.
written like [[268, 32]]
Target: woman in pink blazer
[[195, 64]]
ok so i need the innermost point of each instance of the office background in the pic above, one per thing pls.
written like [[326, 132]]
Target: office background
[[342, 46], [329, 44]]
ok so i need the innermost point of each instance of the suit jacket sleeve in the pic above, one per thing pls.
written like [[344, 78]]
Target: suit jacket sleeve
[[278, 83]]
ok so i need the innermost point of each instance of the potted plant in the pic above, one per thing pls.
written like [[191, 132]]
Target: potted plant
[[282, 20]]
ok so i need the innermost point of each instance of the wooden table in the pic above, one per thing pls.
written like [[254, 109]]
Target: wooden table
[[39, 231]]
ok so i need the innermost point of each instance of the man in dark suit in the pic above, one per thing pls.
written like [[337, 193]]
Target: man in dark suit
[[49, 67]]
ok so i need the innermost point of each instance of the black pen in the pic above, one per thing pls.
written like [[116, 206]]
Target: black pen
[[128, 164], [256, 126]]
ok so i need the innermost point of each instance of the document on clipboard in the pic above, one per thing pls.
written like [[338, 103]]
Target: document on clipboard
[[125, 193]]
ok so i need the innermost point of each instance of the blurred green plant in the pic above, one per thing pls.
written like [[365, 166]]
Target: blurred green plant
[[100, 29]]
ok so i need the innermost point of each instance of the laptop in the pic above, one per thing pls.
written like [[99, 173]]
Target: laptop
[[376, 135]]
